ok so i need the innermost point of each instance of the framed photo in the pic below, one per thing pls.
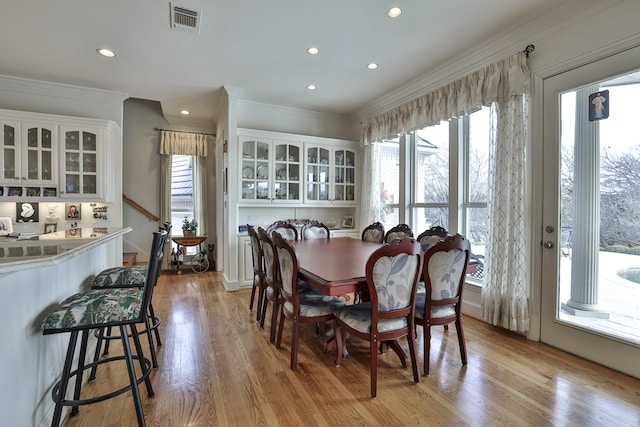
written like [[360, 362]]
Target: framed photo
[[72, 211], [27, 212], [6, 226], [73, 233], [347, 222], [50, 228], [15, 191]]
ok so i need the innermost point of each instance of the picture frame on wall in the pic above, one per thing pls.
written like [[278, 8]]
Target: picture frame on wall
[[27, 212], [72, 211], [6, 226], [50, 227]]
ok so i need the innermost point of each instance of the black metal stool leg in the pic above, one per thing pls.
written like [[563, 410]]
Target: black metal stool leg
[[132, 373], [152, 348], [155, 328], [81, 360], [136, 341], [58, 393], [106, 342], [96, 355]]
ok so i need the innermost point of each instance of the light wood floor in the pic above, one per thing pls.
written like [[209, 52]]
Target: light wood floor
[[217, 368]]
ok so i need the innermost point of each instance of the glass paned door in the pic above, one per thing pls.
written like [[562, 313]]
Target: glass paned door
[[591, 249]]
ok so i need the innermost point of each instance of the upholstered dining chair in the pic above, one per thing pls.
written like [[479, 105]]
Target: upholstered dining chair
[[128, 277], [400, 231], [445, 264], [271, 283], [315, 230], [392, 273], [286, 230], [431, 236], [373, 233], [258, 270], [300, 307], [97, 309]]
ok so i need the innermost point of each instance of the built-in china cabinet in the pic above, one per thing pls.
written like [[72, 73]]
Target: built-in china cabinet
[[54, 158]]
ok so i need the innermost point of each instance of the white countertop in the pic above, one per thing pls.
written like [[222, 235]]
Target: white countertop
[[52, 248]]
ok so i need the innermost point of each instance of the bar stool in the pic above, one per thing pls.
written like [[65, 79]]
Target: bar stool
[[127, 277], [101, 308]]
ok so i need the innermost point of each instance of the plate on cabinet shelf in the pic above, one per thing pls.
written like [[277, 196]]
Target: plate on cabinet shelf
[[281, 173], [263, 172], [247, 173]]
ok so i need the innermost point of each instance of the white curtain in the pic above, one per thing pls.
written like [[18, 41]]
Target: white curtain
[[505, 289], [165, 201], [370, 198], [499, 81], [188, 143], [504, 86]]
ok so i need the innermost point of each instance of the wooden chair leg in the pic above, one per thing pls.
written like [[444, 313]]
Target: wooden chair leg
[[295, 335], [463, 346], [337, 336], [413, 351], [373, 350], [427, 347], [274, 321], [262, 301], [280, 328], [263, 310]]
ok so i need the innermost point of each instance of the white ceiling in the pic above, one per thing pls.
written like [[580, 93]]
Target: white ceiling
[[258, 46]]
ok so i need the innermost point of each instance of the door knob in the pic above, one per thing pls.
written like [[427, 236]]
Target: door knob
[[548, 244]]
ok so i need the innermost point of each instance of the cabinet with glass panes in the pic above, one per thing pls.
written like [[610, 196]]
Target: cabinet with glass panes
[[330, 175], [270, 170]]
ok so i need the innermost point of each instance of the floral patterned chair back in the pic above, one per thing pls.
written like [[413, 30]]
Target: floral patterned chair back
[[432, 236], [286, 230], [373, 233], [400, 231], [315, 230]]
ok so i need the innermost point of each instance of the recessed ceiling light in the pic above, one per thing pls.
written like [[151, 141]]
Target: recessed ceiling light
[[184, 112], [394, 12], [311, 87], [372, 66], [106, 53], [313, 51]]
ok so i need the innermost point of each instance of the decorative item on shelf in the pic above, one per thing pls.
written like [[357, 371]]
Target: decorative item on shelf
[[189, 228], [27, 212], [15, 191], [51, 216], [6, 226], [50, 227], [99, 211], [73, 210], [347, 222]]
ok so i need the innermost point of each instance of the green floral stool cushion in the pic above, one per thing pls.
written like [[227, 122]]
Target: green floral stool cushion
[[120, 277], [94, 308]]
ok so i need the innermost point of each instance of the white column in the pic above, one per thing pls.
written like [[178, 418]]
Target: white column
[[586, 216]]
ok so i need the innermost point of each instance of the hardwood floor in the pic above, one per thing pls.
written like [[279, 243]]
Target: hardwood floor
[[217, 367]]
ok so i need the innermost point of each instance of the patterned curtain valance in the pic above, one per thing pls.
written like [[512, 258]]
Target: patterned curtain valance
[[192, 144], [497, 82]]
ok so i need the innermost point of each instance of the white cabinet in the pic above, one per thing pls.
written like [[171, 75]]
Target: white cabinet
[[29, 155], [330, 174], [245, 259], [270, 170], [49, 157], [81, 162]]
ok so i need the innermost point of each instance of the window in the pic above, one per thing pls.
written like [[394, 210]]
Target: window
[[447, 176], [181, 191]]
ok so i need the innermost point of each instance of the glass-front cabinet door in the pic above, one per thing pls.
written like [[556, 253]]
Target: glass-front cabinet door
[[80, 162], [10, 153], [255, 169], [270, 170], [287, 176], [318, 174], [39, 154], [344, 175]]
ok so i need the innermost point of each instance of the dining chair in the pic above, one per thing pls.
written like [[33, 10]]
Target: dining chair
[[100, 308], [431, 236], [445, 264], [400, 231], [300, 307], [373, 233], [128, 277], [315, 230], [271, 283], [258, 271], [288, 231], [392, 273]]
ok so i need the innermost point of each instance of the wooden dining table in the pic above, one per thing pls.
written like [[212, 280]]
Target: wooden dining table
[[336, 267]]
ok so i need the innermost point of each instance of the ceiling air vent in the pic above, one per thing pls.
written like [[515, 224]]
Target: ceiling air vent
[[185, 19]]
